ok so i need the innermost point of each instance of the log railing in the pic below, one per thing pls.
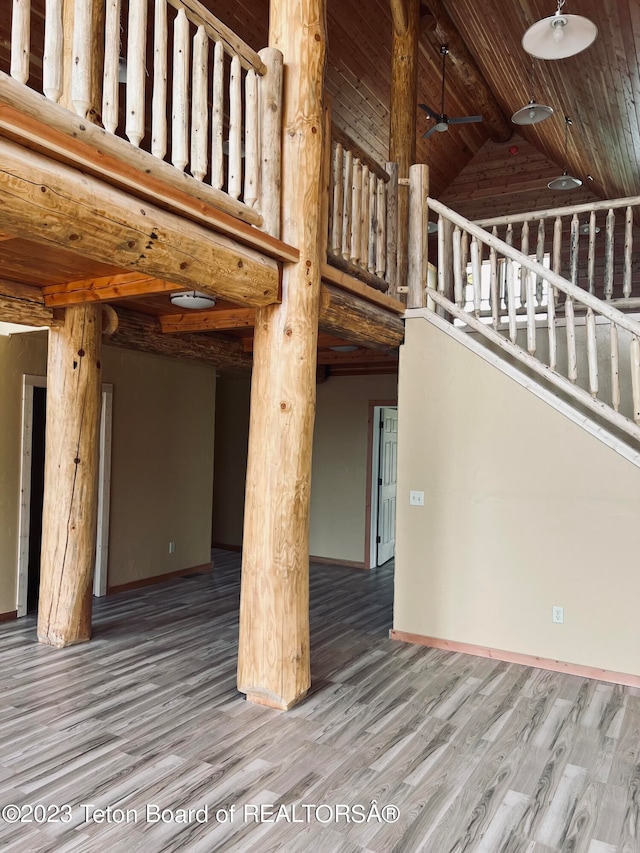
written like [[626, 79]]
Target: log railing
[[174, 80], [595, 361], [589, 244], [363, 215]]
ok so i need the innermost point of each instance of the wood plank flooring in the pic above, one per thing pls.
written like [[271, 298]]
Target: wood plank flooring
[[477, 755]]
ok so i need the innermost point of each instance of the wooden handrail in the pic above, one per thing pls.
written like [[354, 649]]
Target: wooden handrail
[[552, 212]]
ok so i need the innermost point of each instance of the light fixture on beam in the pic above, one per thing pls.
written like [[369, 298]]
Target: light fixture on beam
[[193, 300], [565, 181], [559, 36]]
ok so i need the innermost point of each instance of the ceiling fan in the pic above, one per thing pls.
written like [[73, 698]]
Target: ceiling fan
[[442, 119]]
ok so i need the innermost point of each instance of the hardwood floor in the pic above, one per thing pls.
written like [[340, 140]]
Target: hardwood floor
[[476, 754]]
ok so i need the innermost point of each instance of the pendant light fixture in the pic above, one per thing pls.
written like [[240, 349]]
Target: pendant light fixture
[[565, 181], [559, 36], [532, 113], [193, 300]]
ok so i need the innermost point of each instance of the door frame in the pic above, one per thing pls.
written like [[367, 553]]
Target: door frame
[[373, 465], [104, 483]]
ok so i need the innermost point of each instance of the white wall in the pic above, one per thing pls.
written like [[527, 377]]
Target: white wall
[[523, 510]]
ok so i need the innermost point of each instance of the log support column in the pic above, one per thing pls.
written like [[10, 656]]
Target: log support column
[[273, 662], [404, 96], [70, 507]]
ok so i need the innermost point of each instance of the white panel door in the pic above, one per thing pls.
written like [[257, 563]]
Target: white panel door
[[387, 485]]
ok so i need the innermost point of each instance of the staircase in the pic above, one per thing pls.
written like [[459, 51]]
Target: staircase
[[578, 352]]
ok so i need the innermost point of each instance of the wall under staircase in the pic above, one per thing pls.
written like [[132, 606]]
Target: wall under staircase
[[525, 509]]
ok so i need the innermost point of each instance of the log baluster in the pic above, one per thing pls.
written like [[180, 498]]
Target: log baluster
[[591, 257], [572, 358], [628, 253], [53, 60], [458, 285], [217, 118], [494, 287], [20, 40], [235, 129], [381, 228], [111, 76], [356, 212], [348, 205], [556, 260], [251, 161], [338, 199], [531, 311], [373, 219], [199, 107], [540, 259], [608, 256], [615, 367], [511, 300], [592, 353], [180, 100], [364, 218], [524, 248], [476, 274], [270, 99], [392, 227], [159, 97], [81, 65], [574, 248]]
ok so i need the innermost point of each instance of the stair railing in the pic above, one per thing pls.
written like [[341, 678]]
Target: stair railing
[[523, 342]]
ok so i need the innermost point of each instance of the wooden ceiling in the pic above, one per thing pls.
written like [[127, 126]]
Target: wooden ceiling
[[599, 88]]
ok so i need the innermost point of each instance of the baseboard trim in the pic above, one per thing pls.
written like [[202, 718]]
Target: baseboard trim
[[155, 579], [515, 657], [9, 616], [349, 564]]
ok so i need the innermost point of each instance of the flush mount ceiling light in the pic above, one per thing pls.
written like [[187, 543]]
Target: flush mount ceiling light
[[565, 181], [193, 300], [559, 36], [532, 113]]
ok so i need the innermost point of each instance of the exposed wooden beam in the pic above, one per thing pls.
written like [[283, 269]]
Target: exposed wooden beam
[[70, 507], [208, 321], [58, 206], [345, 281], [142, 332], [359, 356], [347, 316], [273, 656], [23, 304], [106, 288], [402, 139], [481, 98], [400, 16]]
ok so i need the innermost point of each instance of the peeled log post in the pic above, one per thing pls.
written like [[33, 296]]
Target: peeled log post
[[418, 244], [53, 59], [159, 101], [69, 515], [273, 655], [270, 98], [402, 140], [136, 71], [20, 40], [199, 108]]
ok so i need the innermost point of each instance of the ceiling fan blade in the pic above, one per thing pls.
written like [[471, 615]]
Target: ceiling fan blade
[[429, 111], [429, 132], [464, 120]]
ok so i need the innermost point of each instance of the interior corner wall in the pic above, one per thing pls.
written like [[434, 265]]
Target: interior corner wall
[[162, 460], [339, 474], [524, 510]]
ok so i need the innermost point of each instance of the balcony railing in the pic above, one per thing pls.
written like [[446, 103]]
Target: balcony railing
[[170, 78]]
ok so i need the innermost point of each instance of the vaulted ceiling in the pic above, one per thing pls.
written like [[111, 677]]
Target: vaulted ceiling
[[599, 88]]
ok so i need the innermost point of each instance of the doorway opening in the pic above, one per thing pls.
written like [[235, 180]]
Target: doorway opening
[[34, 403], [383, 463]]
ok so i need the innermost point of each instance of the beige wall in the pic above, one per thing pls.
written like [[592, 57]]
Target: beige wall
[[338, 483], [523, 510], [162, 460]]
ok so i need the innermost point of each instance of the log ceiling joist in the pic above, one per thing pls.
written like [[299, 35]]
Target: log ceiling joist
[[208, 321], [441, 30], [57, 206], [106, 288], [347, 316]]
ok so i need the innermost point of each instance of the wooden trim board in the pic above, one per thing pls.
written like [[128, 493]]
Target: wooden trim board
[[155, 579], [516, 657], [349, 564], [8, 616]]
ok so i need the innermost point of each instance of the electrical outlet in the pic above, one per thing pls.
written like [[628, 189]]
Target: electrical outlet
[[557, 615], [416, 498], [172, 547]]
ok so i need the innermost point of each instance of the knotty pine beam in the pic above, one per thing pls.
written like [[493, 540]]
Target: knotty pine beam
[[402, 140], [57, 206], [273, 658], [347, 316], [208, 321], [481, 98], [23, 304], [105, 288], [69, 514], [400, 16], [142, 332]]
